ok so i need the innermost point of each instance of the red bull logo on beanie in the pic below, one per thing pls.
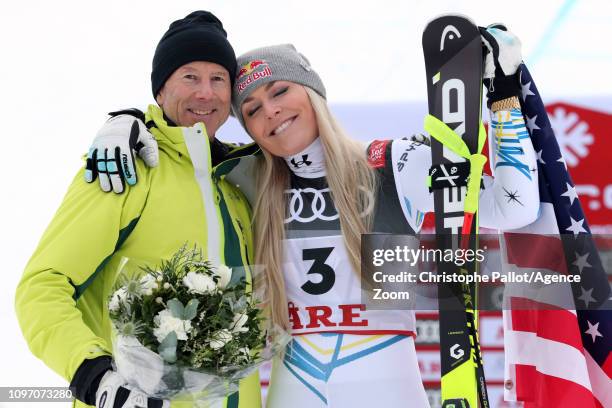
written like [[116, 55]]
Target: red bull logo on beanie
[[251, 72], [249, 67]]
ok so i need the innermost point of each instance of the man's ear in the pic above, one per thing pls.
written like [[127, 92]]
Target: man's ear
[[160, 97]]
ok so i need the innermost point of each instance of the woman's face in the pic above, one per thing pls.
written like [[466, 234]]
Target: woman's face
[[280, 117]]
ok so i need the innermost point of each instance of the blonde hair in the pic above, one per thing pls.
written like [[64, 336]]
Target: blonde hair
[[352, 183]]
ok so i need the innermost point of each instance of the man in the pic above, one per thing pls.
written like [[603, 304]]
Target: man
[[61, 301]]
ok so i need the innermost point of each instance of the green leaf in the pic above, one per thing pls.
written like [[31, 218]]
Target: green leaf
[[191, 310], [167, 348], [169, 355], [176, 308]]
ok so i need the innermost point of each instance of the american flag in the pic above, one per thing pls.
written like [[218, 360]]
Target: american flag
[[557, 356]]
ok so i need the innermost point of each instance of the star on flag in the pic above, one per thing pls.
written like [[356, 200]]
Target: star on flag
[[593, 330], [562, 160], [531, 123], [526, 91], [576, 226], [570, 193], [586, 297], [581, 262]]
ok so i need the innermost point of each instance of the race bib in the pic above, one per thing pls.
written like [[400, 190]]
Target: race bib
[[324, 292]]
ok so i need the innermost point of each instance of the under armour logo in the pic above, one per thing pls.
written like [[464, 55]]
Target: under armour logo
[[304, 162]]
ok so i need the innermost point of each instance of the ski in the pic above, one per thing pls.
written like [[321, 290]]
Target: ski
[[453, 63]]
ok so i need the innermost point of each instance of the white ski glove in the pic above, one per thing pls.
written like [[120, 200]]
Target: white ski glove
[[114, 393], [504, 50], [502, 62], [111, 157]]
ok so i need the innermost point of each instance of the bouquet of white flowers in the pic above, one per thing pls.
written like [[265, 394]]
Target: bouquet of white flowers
[[185, 330]]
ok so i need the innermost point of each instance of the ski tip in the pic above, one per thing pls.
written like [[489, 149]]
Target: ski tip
[[444, 15]]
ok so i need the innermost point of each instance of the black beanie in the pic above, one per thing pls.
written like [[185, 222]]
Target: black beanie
[[198, 37]]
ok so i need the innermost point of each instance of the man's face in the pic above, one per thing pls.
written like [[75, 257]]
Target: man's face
[[197, 92]]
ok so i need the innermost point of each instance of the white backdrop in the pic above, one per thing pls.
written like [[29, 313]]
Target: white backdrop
[[64, 64]]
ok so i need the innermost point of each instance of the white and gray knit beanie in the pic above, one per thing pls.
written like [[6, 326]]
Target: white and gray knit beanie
[[267, 64]]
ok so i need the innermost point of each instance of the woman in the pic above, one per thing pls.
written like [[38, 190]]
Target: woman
[[317, 192], [309, 217]]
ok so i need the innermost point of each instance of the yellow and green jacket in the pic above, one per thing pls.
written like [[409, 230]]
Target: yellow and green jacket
[[61, 300]]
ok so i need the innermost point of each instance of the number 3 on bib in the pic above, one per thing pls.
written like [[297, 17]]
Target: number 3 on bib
[[319, 267], [324, 291]]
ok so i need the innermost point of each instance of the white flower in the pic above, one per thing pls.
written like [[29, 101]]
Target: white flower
[[225, 274], [238, 323], [148, 284], [167, 323], [159, 300], [167, 285], [199, 283], [220, 338], [116, 299]]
